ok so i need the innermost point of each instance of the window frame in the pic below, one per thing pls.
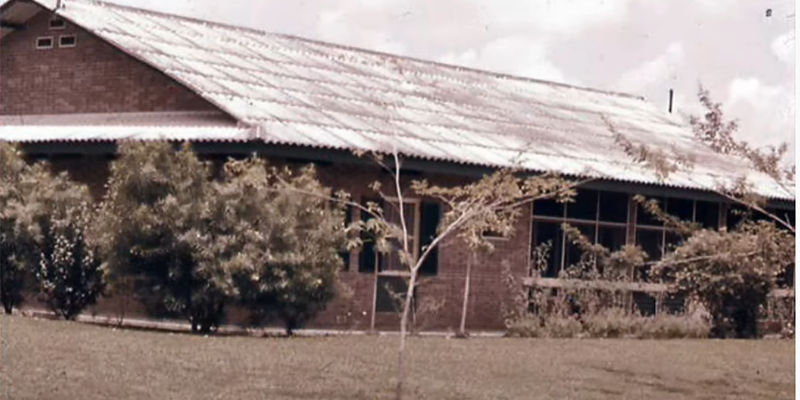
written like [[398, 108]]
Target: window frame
[[575, 222], [61, 38], [417, 203], [41, 38]]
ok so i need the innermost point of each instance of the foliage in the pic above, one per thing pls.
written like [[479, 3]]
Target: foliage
[[610, 323], [156, 227], [70, 276], [17, 247], [38, 206], [288, 263], [664, 326], [732, 273]]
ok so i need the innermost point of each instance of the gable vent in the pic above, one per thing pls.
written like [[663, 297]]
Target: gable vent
[[57, 23], [67, 41]]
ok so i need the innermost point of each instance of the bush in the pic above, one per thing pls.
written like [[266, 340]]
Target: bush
[[674, 327], [731, 273], [613, 323], [70, 276], [289, 271], [610, 323], [158, 229], [17, 246]]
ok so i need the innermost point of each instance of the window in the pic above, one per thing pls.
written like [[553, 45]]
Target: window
[[411, 215], [707, 214], [644, 303], [674, 303], [421, 219], [391, 291], [44, 43], [67, 41], [57, 24], [656, 239], [600, 216]]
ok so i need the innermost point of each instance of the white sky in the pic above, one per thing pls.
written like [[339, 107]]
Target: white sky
[[643, 47]]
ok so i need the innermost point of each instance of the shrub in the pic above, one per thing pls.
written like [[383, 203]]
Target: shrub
[[288, 268], [731, 273], [157, 228], [17, 245], [613, 323], [688, 326], [70, 276], [610, 323]]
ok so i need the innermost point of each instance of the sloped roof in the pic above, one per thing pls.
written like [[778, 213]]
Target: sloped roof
[[296, 91]]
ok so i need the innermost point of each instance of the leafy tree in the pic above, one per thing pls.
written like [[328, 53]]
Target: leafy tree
[[70, 275], [17, 248], [732, 273], [489, 202], [156, 228], [287, 256], [33, 200]]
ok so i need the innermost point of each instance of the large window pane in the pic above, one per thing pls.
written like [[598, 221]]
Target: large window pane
[[736, 214], [645, 218], [613, 207], [572, 252], [584, 207], [645, 303], [673, 241], [544, 232], [651, 241], [674, 303], [680, 208], [612, 238], [391, 289], [707, 214], [548, 208]]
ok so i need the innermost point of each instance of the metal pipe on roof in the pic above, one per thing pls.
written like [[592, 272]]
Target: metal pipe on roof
[[671, 93]]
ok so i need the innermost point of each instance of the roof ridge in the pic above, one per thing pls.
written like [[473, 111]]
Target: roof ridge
[[494, 74]]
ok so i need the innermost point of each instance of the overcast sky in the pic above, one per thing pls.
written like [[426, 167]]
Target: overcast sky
[[644, 47]]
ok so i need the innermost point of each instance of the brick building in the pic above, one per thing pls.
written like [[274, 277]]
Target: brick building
[[77, 76]]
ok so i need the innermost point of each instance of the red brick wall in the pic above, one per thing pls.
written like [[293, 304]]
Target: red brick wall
[[92, 77], [488, 291]]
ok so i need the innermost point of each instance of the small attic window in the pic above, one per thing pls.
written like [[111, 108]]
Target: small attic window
[[45, 42], [67, 41], [57, 23]]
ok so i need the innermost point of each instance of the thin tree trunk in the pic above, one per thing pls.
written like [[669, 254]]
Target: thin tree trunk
[[401, 373], [463, 328]]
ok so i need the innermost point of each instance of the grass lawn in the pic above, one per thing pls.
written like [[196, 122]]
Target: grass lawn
[[42, 359]]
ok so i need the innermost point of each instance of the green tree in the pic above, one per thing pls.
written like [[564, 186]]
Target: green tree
[[33, 200], [156, 228], [492, 201], [70, 276], [731, 273], [287, 256], [17, 247]]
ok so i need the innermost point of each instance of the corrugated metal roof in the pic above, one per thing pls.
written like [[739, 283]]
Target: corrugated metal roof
[[308, 93], [95, 133]]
